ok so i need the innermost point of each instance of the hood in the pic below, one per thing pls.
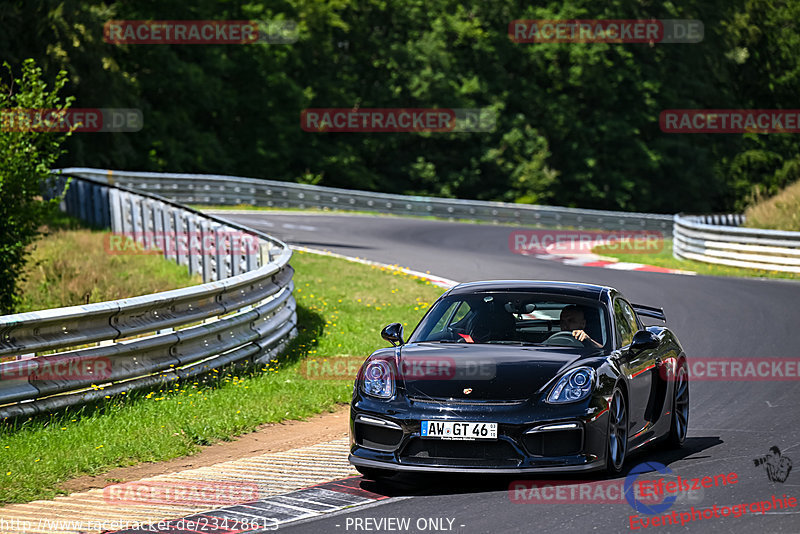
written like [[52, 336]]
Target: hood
[[491, 372]]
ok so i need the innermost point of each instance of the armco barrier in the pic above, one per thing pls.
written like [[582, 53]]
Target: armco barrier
[[245, 310], [708, 239], [206, 189]]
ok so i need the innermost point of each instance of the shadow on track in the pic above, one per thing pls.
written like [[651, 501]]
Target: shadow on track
[[405, 484]]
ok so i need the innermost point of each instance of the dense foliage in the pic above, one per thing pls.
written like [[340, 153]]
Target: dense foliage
[[578, 123], [26, 158]]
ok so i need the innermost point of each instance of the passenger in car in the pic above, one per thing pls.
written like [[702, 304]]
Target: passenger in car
[[492, 324]]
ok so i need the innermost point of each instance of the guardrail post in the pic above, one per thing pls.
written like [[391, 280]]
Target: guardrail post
[[264, 254], [167, 235], [69, 199], [251, 251], [97, 205], [81, 199], [136, 219], [220, 257], [128, 214], [209, 270], [158, 228], [193, 246], [147, 223], [115, 208], [180, 237], [105, 208], [676, 237], [238, 251], [125, 213]]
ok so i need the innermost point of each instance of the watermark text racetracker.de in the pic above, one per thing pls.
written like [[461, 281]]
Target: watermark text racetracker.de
[[57, 368], [644, 493], [78, 120], [730, 121], [211, 242], [735, 369], [395, 120], [606, 31], [577, 242], [208, 524], [186, 493], [409, 368], [149, 32]]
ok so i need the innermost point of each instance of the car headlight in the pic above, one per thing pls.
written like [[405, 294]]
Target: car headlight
[[378, 379], [574, 386]]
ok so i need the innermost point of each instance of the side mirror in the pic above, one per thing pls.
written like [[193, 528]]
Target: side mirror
[[643, 340], [393, 333]]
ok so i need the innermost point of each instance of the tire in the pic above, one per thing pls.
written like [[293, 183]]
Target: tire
[[617, 434], [374, 473], [680, 409]]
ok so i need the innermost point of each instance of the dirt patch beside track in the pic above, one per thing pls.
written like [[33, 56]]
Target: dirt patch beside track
[[272, 437]]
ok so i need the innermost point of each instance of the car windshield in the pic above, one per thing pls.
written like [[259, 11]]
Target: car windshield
[[514, 318]]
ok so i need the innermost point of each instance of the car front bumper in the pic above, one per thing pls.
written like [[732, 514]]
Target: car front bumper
[[531, 439], [359, 461]]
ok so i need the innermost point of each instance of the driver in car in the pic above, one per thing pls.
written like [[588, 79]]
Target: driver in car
[[572, 318]]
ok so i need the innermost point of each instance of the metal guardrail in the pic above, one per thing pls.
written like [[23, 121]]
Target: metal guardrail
[[720, 219], [245, 310], [204, 189], [710, 240]]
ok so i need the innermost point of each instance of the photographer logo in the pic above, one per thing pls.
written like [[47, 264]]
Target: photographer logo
[[777, 466]]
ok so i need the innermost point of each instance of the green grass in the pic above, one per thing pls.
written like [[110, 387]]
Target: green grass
[[341, 307], [71, 266], [781, 212], [664, 258]]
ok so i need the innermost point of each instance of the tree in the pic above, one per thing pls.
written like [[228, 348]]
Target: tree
[[577, 123], [26, 157]]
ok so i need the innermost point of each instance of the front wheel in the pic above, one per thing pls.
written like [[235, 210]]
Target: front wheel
[[617, 433], [680, 409]]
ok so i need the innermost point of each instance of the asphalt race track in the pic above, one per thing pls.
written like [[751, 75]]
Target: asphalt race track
[[731, 422]]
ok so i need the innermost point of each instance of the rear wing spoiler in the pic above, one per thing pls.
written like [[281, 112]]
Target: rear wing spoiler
[[649, 311]]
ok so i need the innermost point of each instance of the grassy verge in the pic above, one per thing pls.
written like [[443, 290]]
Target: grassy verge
[[71, 266], [664, 258], [781, 212], [341, 307]]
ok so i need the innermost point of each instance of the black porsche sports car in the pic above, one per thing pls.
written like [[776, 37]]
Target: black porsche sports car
[[520, 376]]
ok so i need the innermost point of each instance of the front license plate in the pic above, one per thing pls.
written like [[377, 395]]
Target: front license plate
[[458, 430]]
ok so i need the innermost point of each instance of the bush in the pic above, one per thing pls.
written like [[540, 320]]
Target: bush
[[26, 157]]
